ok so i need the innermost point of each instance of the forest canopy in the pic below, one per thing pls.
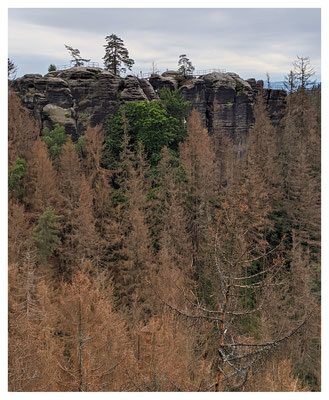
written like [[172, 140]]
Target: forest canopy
[[150, 255]]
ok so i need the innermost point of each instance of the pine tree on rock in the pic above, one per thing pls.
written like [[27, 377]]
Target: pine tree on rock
[[78, 61], [185, 66], [116, 55]]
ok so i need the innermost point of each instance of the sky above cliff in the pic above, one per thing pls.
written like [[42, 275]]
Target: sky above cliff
[[250, 42]]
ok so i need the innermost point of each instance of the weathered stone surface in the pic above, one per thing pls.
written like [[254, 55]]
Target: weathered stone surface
[[81, 96], [275, 101], [171, 73], [148, 89], [160, 82], [195, 93], [94, 94], [32, 76], [252, 83], [53, 114], [95, 97], [225, 102], [132, 90]]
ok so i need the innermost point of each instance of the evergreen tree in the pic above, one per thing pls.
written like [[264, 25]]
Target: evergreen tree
[[12, 69], [116, 55], [80, 145], [55, 140], [52, 68], [15, 178], [78, 61], [185, 66], [46, 235]]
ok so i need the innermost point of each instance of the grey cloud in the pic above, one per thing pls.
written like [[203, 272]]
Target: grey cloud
[[220, 36]]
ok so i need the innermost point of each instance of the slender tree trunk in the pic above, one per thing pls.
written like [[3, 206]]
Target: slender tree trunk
[[221, 342], [80, 350]]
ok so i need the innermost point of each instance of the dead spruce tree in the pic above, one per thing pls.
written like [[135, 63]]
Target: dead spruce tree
[[236, 351], [245, 275], [93, 348]]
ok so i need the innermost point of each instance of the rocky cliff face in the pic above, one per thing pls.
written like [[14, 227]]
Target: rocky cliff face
[[81, 96]]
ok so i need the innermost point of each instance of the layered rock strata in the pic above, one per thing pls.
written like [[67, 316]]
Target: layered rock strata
[[81, 96]]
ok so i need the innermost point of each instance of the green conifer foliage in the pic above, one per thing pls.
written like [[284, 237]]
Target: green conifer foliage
[[55, 140], [80, 145], [46, 235], [185, 65], [15, 177], [116, 55], [155, 124]]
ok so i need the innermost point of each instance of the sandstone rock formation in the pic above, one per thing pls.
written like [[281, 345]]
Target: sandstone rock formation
[[81, 96], [225, 103]]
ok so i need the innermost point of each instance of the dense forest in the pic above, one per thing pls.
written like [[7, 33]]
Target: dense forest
[[150, 256]]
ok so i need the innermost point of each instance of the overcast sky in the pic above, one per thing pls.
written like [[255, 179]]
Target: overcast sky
[[250, 42]]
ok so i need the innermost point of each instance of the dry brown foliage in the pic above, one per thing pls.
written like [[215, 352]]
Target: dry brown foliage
[[22, 130]]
